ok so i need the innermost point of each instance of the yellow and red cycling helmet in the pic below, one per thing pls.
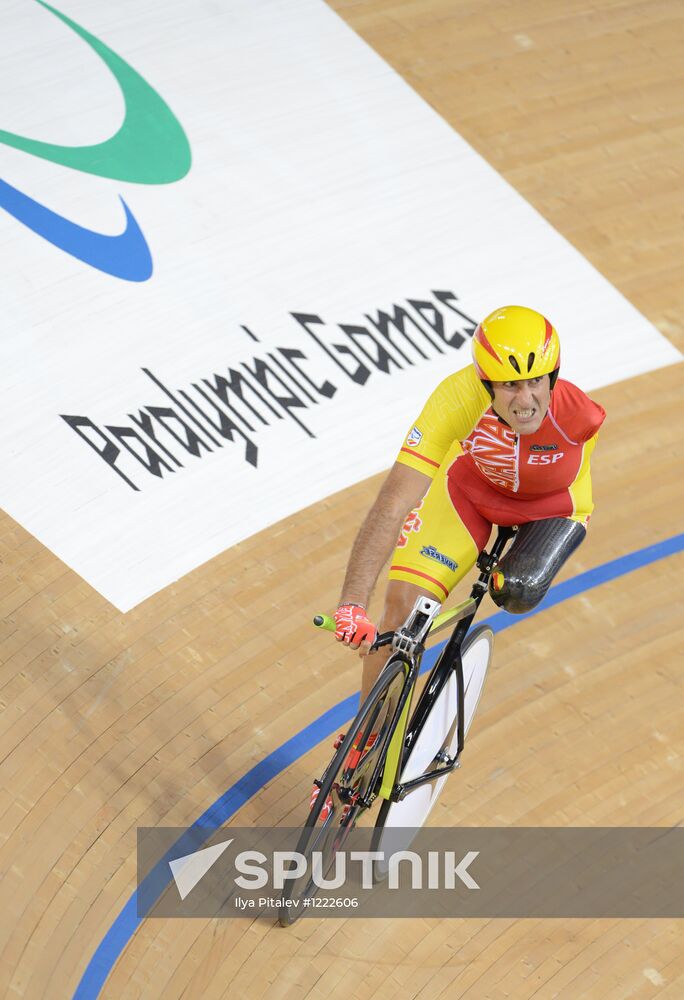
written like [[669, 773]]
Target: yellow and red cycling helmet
[[515, 343]]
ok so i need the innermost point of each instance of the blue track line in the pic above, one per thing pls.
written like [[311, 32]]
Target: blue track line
[[126, 924]]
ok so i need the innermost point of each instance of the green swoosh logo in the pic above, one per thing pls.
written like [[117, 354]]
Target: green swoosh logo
[[149, 148]]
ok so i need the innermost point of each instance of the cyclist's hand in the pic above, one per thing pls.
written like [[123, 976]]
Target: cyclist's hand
[[354, 627]]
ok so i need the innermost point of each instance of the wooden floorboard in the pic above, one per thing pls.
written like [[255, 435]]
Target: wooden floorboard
[[110, 721]]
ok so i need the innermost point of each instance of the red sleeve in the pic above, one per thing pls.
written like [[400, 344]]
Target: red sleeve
[[577, 416]]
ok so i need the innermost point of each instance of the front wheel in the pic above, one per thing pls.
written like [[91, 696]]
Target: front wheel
[[437, 737], [343, 786]]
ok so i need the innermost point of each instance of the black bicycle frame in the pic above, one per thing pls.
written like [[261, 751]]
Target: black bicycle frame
[[450, 659]]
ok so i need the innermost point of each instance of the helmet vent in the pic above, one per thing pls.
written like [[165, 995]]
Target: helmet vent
[[530, 361], [514, 364]]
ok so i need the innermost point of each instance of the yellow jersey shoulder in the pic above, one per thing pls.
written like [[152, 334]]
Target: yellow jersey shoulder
[[450, 413]]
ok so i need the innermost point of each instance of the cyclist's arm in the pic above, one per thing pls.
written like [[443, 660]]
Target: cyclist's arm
[[449, 415], [403, 490]]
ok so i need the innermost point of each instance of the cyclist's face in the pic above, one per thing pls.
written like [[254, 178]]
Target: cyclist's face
[[522, 404]]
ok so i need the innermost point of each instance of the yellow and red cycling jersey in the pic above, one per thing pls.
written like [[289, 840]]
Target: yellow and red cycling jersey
[[489, 475], [518, 467]]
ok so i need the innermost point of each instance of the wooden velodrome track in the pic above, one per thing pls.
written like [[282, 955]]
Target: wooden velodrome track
[[112, 721]]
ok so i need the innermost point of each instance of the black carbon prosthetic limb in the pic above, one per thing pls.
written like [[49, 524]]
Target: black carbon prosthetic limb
[[538, 551]]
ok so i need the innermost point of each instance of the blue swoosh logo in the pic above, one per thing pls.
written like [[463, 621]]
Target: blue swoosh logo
[[125, 255]]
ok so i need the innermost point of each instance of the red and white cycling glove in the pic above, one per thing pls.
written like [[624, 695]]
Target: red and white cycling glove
[[354, 626]]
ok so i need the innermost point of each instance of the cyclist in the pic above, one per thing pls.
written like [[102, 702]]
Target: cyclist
[[503, 441]]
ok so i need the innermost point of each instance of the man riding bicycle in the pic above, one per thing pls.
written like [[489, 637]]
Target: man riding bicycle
[[503, 441]]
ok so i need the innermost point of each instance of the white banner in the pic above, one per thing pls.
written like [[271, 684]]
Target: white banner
[[238, 253]]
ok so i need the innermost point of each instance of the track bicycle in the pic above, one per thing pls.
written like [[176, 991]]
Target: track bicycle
[[412, 753]]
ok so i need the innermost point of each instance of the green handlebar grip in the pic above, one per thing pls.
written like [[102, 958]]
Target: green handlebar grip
[[326, 622]]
